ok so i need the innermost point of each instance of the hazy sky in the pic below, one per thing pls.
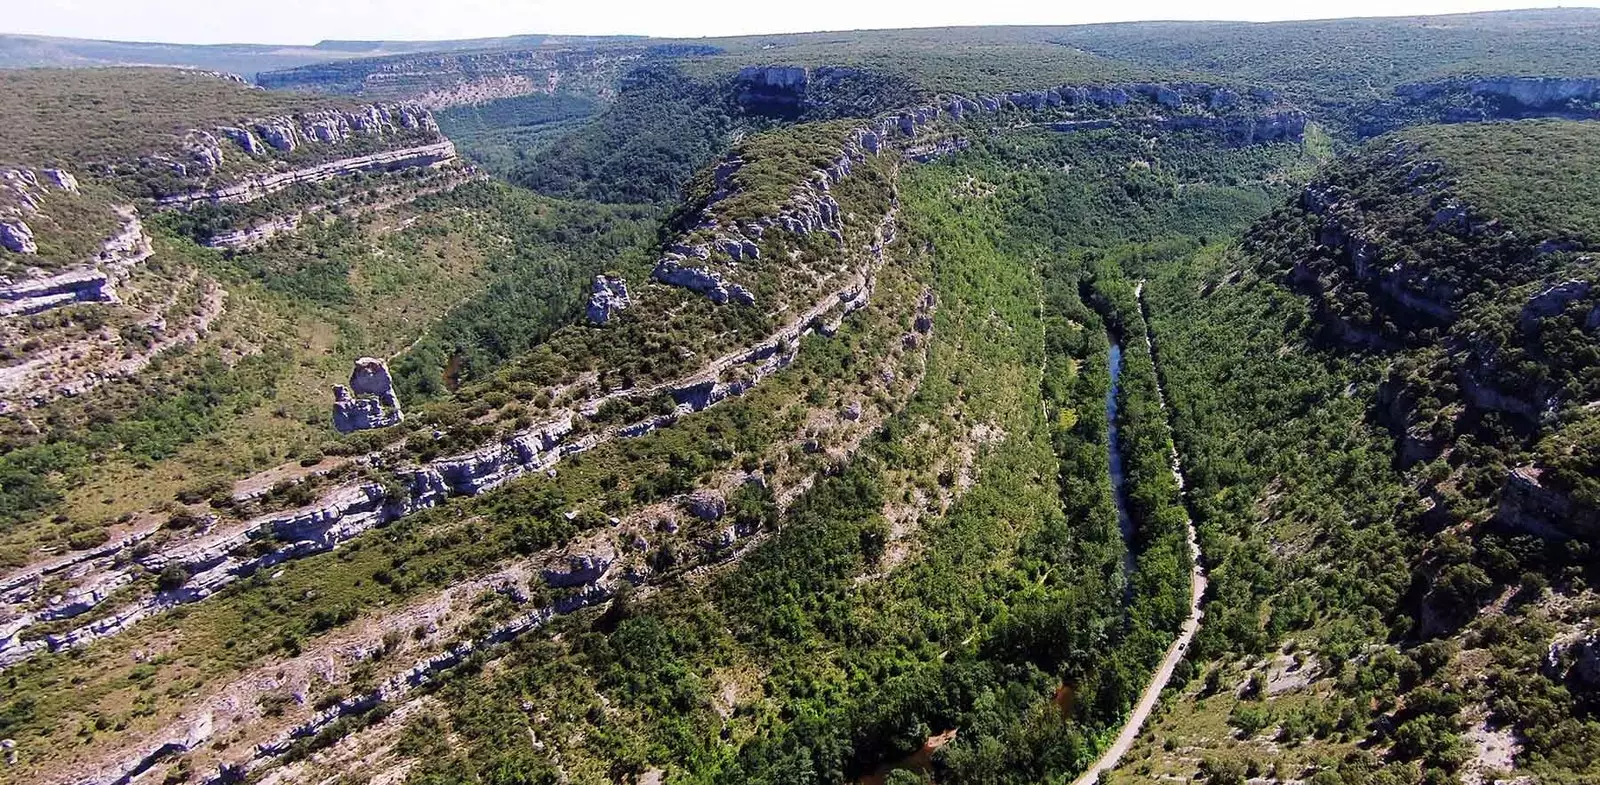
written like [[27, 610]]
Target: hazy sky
[[308, 21]]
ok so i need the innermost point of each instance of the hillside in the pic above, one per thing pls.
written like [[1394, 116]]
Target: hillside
[[1423, 309], [38, 51], [1133, 403]]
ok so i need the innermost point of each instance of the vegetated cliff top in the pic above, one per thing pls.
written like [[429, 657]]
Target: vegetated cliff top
[[1446, 220], [1541, 177], [39, 51], [960, 61], [74, 116], [1354, 59]]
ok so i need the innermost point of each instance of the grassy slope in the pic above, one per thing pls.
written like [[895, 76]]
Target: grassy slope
[[482, 274]]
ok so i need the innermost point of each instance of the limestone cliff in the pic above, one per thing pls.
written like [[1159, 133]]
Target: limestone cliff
[[443, 79], [1480, 98]]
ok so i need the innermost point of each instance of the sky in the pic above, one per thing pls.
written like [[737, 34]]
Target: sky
[[309, 21]]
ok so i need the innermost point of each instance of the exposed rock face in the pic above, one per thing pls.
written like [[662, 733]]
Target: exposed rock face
[[42, 294], [220, 558], [62, 179], [93, 282], [1586, 664], [580, 569], [670, 270], [1480, 98], [256, 234], [20, 193], [369, 401], [16, 237], [254, 187], [773, 89], [1552, 301], [1526, 503], [607, 296], [706, 505], [246, 140], [330, 126], [812, 208], [21, 189], [1358, 255]]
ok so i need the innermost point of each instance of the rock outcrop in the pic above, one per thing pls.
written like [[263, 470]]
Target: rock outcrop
[[707, 505], [256, 186], [811, 207], [1468, 99], [1530, 505], [370, 400], [672, 271], [21, 191], [607, 296], [16, 237], [226, 555], [31, 296], [1552, 300], [286, 133], [92, 282]]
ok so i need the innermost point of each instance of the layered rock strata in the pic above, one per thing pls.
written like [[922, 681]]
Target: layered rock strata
[[227, 554], [255, 186]]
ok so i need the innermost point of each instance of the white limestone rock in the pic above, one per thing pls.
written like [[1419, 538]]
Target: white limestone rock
[[607, 296], [370, 400]]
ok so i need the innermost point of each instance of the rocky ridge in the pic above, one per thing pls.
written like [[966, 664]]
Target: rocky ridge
[[1490, 97], [438, 80], [1349, 254], [253, 187], [706, 256], [202, 153], [584, 574], [224, 554]]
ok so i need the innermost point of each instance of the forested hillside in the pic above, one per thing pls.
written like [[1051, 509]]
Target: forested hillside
[[1125, 403]]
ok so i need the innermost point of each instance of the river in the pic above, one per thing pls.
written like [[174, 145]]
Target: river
[[1119, 480]]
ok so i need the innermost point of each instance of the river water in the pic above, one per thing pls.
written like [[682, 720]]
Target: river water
[[1119, 480]]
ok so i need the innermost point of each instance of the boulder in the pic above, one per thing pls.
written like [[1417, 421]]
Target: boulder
[[16, 237], [607, 296], [370, 400], [707, 505]]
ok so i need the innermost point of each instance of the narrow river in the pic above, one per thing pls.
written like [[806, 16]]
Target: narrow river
[[1129, 731], [1119, 480]]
